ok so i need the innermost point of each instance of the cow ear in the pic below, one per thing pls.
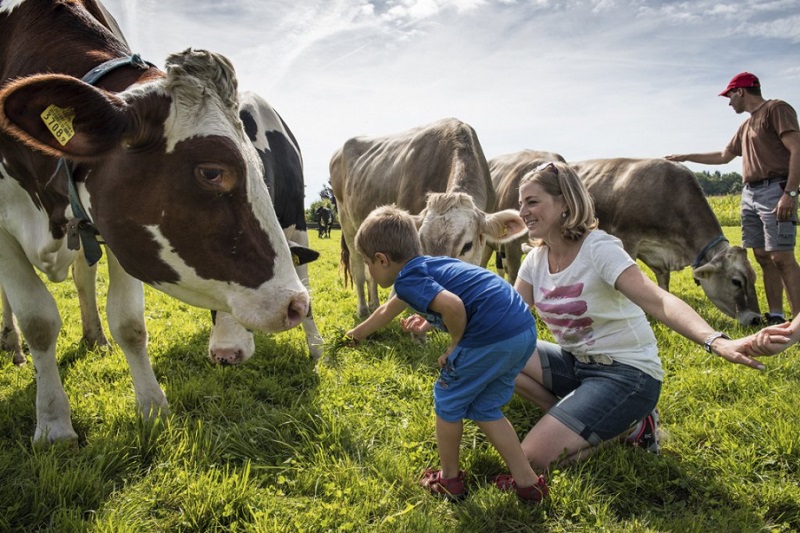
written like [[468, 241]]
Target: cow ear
[[419, 219], [62, 116], [705, 271], [302, 255], [505, 226]]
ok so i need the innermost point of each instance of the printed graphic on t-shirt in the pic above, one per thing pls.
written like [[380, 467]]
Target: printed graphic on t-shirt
[[563, 310]]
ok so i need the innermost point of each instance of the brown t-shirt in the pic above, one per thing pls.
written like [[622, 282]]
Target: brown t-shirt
[[758, 141]]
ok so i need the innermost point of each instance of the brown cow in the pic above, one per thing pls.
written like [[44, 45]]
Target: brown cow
[[437, 171], [658, 210], [93, 139]]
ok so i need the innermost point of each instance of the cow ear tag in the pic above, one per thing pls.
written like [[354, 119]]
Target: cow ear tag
[[59, 121]]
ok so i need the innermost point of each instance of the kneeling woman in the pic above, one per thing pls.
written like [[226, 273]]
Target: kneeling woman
[[603, 378]]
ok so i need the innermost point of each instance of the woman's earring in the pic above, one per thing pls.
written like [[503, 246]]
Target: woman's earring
[[564, 214]]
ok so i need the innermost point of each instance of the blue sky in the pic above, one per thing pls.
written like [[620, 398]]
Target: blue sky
[[584, 78]]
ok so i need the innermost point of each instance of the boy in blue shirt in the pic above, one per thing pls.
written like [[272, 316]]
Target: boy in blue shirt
[[493, 334]]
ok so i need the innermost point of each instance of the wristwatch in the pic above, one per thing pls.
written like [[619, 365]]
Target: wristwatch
[[792, 193], [711, 338]]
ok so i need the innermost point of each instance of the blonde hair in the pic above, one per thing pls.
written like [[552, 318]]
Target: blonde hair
[[558, 179], [391, 231]]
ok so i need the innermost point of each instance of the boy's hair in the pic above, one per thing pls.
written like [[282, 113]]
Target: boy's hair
[[391, 231], [558, 179]]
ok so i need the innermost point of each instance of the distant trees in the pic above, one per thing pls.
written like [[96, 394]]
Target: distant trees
[[718, 184]]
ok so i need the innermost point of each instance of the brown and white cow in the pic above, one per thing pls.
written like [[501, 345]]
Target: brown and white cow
[[164, 171], [437, 171], [230, 343], [658, 210]]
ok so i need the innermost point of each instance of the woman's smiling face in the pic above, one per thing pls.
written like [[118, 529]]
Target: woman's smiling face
[[541, 211]]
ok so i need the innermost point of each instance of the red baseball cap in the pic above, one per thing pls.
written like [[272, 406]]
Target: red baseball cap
[[743, 79]]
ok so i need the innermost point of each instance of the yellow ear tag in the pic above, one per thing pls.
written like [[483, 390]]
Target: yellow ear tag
[[59, 122], [296, 259]]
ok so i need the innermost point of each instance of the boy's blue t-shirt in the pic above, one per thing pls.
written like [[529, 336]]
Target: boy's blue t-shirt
[[495, 311]]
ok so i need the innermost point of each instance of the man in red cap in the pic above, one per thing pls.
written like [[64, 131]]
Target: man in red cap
[[769, 144]]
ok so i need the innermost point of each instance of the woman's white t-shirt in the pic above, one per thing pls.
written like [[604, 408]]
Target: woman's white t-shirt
[[584, 312]]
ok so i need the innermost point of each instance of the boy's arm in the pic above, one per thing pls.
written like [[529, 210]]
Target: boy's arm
[[454, 316], [379, 318]]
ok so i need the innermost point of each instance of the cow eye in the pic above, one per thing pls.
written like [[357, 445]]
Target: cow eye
[[737, 283], [208, 173], [467, 247], [215, 177]]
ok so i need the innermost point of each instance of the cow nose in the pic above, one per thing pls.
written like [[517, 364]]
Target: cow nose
[[298, 310], [223, 356]]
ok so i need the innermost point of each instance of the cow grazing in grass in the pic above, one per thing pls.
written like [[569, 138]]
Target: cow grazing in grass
[[157, 162], [658, 210], [437, 172]]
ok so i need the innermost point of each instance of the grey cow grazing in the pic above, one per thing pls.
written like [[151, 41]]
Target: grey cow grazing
[[659, 212]]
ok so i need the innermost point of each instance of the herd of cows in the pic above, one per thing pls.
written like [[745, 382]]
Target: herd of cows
[[197, 189]]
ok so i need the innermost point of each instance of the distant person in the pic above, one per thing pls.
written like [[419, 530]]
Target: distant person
[[492, 336], [769, 144], [602, 380]]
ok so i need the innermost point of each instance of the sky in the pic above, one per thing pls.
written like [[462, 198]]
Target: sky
[[584, 78]]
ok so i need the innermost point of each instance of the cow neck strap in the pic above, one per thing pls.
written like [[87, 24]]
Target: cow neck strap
[[80, 229], [702, 255]]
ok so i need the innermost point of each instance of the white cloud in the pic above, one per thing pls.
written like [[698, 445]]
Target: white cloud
[[586, 78]]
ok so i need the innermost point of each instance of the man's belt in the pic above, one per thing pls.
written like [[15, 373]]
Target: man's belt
[[763, 183]]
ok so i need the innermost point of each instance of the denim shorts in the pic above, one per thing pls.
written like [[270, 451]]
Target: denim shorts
[[760, 226], [597, 401], [476, 382]]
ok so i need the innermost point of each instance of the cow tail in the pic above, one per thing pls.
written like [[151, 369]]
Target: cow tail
[[344, 264]]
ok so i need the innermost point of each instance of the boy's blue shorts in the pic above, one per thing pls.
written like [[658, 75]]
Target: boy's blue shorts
[[477, 382]]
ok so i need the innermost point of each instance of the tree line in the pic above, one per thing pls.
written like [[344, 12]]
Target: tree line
[[713, 184]]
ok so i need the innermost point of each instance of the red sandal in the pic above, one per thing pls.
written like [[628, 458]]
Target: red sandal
[[451, 488], [533, 494]]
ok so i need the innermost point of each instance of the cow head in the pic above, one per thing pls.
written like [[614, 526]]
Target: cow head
[[451, 225], [729, 282], [171, 182]]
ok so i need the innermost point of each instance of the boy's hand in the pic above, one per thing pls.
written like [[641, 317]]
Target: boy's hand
[[415, 324], [445, 355], [349, 339]]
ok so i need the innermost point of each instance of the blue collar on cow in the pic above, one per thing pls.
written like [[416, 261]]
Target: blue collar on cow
[[80, 229], [702, 255]]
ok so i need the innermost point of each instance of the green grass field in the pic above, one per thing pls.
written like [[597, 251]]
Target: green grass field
[[278, 444]]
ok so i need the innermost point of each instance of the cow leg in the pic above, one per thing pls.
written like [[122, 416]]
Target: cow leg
[[39, 321], [85, 278], [229, 343], [9, 337], [513, 259], [359, 277], [372, 292], [313, 337], [486, 256], [125, 312], [662, 278]]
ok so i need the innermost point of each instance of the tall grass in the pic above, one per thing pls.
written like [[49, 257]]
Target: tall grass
[[279, 444], [727, 209]]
